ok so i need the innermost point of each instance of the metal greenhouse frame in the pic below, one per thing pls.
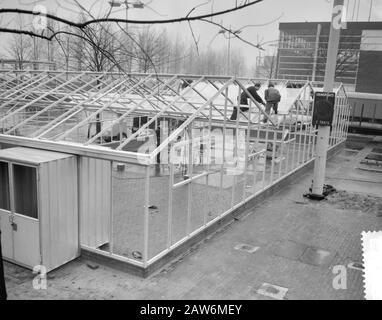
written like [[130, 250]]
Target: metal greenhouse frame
[[161, 149]]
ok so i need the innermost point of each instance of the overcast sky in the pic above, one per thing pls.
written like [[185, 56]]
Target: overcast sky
[[266, 11]]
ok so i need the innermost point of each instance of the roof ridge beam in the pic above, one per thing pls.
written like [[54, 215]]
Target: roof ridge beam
[[78, 125], [188, 121], [156, 116], [124, 115]]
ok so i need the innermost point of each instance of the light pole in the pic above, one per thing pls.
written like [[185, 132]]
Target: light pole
[[315, 55], [371, 7], [136, 5], [324, 130], [231, 34]]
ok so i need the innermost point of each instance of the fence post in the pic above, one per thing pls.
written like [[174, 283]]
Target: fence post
[[374, 113], [361, 117]]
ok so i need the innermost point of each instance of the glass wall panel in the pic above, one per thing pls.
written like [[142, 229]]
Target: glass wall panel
[[4, 186], [158, 212], [179, 212], [25, 187], [128, 185]]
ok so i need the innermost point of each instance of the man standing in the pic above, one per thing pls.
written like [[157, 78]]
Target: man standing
[[244, 99], [272, 97]]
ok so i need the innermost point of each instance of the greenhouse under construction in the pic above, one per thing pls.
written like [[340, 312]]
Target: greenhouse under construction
[[134, 168]]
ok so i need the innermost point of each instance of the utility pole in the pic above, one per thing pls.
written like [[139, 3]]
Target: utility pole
[[229, 52], [137, 5], [371, 7], [324, 131], [317, 45], [127, 37]]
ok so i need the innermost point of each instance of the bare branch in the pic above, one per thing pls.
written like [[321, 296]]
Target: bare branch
[[100, 20], [193, 37]]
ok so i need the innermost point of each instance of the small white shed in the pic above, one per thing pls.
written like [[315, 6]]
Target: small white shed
[[38, 207]]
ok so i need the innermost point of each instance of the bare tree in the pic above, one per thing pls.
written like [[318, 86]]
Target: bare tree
[[150, 50], [89, 27], [20, 46], [266, 68], [347, 57]]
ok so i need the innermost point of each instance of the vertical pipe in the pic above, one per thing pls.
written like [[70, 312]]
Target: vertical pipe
[[111, 211], [374, 113], [169, 214], [344, 120], [339, 126], [189, 173], [305, 143], [361, 117], [273, 154], [289, 143], [281, 148], [146, 216], [247, 149], [236, 146], [256, 150], [347, 122], [224, 140], [210, 142], [299, 137], [237, 124], [352, 116], [233, 191], [312, 136], [340, 122], [266, 151]]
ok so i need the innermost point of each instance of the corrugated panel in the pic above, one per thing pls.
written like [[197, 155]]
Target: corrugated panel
[[59, 211], [95, 201]]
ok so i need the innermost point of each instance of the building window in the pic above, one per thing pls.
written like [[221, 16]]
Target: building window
[[25, 189], [4, 186]]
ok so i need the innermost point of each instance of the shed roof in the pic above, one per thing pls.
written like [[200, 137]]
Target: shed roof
[[31, 156]]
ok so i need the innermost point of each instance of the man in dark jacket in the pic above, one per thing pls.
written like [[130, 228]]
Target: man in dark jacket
[[272, 97], [244, 99]]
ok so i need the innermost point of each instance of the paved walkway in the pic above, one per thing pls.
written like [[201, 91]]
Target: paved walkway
[[288, 242]]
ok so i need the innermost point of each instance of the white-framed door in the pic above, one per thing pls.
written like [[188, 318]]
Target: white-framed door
[[19, 220]]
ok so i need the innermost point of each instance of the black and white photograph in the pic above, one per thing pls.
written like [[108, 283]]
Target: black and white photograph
[[191, 158]]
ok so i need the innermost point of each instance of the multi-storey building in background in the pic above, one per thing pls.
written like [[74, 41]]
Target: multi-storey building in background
[[303, 47]]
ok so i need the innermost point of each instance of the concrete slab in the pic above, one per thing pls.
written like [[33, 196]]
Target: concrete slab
[[317, 257], [273, 291], [246, 248], [288, 249]]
